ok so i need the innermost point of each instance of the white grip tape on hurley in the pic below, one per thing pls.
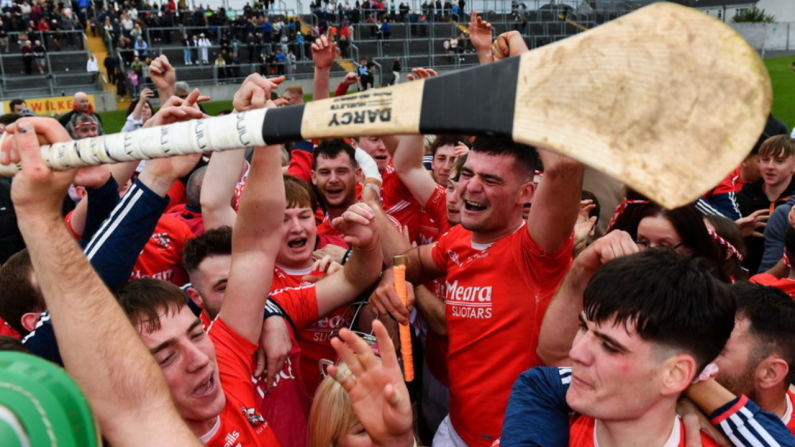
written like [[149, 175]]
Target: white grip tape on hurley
[[233, 131]]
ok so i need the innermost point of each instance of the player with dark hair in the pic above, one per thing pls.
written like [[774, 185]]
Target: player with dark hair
[[21, 302], [334, 174], [649, 323], [443, 155], [491, 324], [758, 361]]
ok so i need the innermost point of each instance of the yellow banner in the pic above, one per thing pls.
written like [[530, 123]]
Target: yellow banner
[[46, 106]]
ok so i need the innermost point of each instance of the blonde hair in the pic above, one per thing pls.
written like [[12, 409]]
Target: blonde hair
[[331, 413]]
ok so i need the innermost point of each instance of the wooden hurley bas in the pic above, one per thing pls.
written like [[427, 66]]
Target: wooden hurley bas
[[666, 99]]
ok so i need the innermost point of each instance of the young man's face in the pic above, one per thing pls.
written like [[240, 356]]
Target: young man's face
[[750, 168], [615, 374], [492, 191], [299, 232], [186, 356], [376, 148], [442, 163], [210, 280], [738, 361], [776, 170], [453, 202], [335, 179], [87, 131]]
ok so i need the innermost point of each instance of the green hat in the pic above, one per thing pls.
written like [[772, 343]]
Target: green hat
[[40, 405]]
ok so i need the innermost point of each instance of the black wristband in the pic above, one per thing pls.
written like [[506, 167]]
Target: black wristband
[[272, 309], [346, 256]]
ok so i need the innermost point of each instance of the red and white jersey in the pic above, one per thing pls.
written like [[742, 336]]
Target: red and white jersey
[[582, 433], [433, 224], [496, 298], [314, 335], [240, 423], [766, 279], [287, 405], [787, 419], [398, 202], [161, 257]]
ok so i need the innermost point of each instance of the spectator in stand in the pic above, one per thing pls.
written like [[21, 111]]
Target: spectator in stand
[[27, 57], [81, 104], [40, 55], [367, 80], [92, 67], [141, 47], [4, 35], [139, 112], [204, 45], [69, 23], [186, 44], [281, 60]]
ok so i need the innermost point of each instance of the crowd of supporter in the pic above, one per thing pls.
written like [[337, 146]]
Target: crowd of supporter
[[249, 297]]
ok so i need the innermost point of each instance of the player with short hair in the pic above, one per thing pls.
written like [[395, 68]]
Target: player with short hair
[[649, 323], [334, 173], [21, 302], [777, 162], [758, 361], [491, 324]]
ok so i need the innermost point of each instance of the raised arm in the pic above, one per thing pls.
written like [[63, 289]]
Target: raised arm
[[254, 243], [364, 265], [480, 36], [556, 202], [218, 188], [123, 385], [163, 76], [561, 321], [323, 53]]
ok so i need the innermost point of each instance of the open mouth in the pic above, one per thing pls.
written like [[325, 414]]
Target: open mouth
[[334, 192], [474, 206], [297, 244], [205, 388]]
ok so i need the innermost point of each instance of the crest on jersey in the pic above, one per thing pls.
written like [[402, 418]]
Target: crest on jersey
[[252, 416]]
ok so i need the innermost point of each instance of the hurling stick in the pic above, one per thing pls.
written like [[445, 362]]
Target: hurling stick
[[665, 99]]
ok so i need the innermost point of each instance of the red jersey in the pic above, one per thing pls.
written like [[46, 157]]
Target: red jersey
[[301, 165], [787, 419], [314, 337], [582, 433], [5, 329], [435, 209], [192, 219], [732, 183], [766, 279], [287, 405], [496, 298], [399, 203], [239, 424], [161, 257], [177, 193]]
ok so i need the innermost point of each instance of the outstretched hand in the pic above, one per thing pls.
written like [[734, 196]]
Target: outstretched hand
[[357, 223], [324, 51], [480, 33], [37, 191], [255, 92], [377, 392]]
